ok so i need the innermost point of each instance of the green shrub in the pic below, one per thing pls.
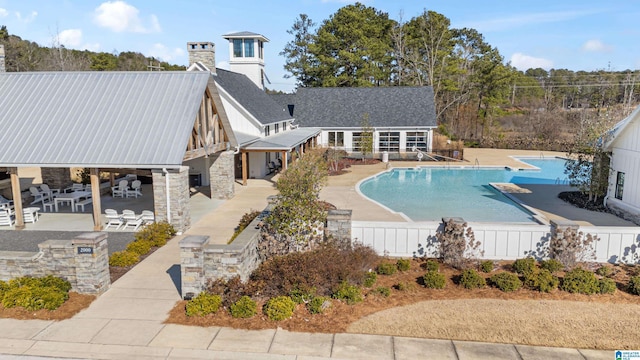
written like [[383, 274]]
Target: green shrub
[[604, 270], [203, 304], [47, 292], [49, 298], [470, 279], [486, 266], [431, 265], [506, 281], [140, 247], [580, 281], [318, 304], [403, 264], [404, 286], [384, 291], [123, 258], [157, 233], [542, 280], [279, 308], [434, 280], [524, 266], [370, 278], [552, 265], [386, 269], [351, 294], [245, 307], [246, 219], [300, 296], [54, 281], [607, 286], [634, 285]]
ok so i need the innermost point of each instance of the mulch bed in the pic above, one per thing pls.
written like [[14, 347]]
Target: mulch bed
[[345, 163], [580, 200]]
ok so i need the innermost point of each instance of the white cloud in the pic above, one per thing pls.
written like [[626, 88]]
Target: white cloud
[[520, 20], [29, 18], [70, 38], [523, 62], [595, 45], [118, 16], [159, 51], [3, 12], [95, 47]]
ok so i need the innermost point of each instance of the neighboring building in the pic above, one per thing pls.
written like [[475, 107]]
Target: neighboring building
[[402, 118], [623, 195]]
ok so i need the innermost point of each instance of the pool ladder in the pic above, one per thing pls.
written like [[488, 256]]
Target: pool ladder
[[477, 164]]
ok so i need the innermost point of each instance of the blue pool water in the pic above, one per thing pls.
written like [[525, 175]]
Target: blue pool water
[[426, 194]]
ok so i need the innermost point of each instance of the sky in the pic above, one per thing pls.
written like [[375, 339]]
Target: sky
[[576, 35]]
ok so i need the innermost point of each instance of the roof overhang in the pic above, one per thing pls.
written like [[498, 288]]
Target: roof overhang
[[283, 141]]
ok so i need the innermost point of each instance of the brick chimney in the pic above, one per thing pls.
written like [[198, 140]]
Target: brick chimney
[[2, 65], [203, 52]]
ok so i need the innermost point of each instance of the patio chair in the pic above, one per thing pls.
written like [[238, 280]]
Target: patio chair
[[38, 196], [136, 189], [5, 203], [30, 214], [74, 187], [272, 168], [148, 217], [51, 192], [120, 189], [6, 217], [131, 219], [113, 219]]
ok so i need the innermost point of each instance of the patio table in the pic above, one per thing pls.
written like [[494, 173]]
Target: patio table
[[71, 198]]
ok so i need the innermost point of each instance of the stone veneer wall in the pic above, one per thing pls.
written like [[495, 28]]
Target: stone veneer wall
[[222, 175], [2, 61], [56, 178], [178, 193], [338, 225], [83, 261]]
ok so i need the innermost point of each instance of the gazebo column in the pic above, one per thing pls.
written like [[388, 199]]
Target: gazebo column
[[171, 197], [284, 160], [222, 173], [244, 169], [56, 178], [17, 198], [95, 194]]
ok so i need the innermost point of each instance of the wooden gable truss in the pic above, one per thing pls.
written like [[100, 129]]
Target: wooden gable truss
[[208, 135]]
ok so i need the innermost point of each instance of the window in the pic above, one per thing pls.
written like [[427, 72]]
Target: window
[[266, 130], [284, 126], [619, 185], [336, 138], [248, 47], [260, 49], [276, 128], [417, 139], [356, 139], [237, 47], [389, 141]]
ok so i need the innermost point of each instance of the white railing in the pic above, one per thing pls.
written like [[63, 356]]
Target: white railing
[[497, 241]]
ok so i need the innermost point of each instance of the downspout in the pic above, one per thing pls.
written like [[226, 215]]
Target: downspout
[[166, 180]]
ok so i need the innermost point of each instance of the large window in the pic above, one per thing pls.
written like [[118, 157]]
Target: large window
[[243, 48], [248, 47], [336, 138], [619, 185], [356, 140], [389, 141], [417, 139], [260, 49], [237, 47]]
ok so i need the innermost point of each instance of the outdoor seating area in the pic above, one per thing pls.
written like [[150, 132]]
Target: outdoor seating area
[[123, 190], [128, 219]]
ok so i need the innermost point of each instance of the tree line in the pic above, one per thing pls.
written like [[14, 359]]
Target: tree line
[[473, 86], [25, 55]]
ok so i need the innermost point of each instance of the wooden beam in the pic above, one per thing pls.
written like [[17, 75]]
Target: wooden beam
[[94, 174], [214, 148], [145, 172], [244, 168], [17, 198]]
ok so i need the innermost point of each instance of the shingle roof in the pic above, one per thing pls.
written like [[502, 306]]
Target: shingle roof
[[98, 119], [393, 106], [256, 101]]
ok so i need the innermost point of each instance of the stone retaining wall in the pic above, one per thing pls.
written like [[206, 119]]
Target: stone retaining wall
[[83, 261]]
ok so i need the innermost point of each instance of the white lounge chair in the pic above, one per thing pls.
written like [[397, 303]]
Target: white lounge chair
[[38, 196], [131, 219], [120, 189], [148, 217], [113, 219], [5, 203], [30, 214], [74, 187], [6, 217], [51, 192], [136, 189]]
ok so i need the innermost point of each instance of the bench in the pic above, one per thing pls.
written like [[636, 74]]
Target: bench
[[83, 203]]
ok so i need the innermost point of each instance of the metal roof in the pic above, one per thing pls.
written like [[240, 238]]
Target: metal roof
[[285, 140], [98, 119], [245, 34]]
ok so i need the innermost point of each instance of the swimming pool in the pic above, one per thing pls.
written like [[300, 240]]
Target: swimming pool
[[429, 194]]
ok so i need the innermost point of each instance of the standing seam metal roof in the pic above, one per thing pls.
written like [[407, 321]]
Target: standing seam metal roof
[[98, 119]]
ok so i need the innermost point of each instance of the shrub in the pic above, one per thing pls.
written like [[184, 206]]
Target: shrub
[[139, 247], [486, 266], [404, 286], [35, 293], [384, 291], [157, 233], [571, 247], [231, 290], [470, 279], [580, 281], [552, 265], [246, 219], [506, 281], [203, 304], [56, 282], [524, 266], [245, 307], [351, 294], [123, 258], [370, 278], [403, 264], [318, 304], [604, 270], [431, 265], [607, 286], [300, 296], [434, 280], [542, 280], [49, 298], [455, 240], [634, 285], [279, 308], [386, 269]]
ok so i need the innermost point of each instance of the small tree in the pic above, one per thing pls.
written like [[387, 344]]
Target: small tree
[[456, 242], [366, 137], [571, 247]]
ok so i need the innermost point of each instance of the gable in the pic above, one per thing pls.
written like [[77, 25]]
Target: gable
[[626, 133], [98, 119]]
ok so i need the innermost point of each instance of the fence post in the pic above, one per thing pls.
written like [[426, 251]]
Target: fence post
[[91, 254]]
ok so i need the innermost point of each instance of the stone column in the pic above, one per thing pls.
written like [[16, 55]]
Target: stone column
[[91, 254], [56, 178], [178, 213], [222, 174], [192, 265], [338, 226]]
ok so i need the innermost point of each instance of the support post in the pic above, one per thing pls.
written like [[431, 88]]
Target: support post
[[244, 168], [284, 160], [94, 175], [17, 198]]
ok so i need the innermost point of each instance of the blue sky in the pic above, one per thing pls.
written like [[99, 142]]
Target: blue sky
[[576, 35]]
